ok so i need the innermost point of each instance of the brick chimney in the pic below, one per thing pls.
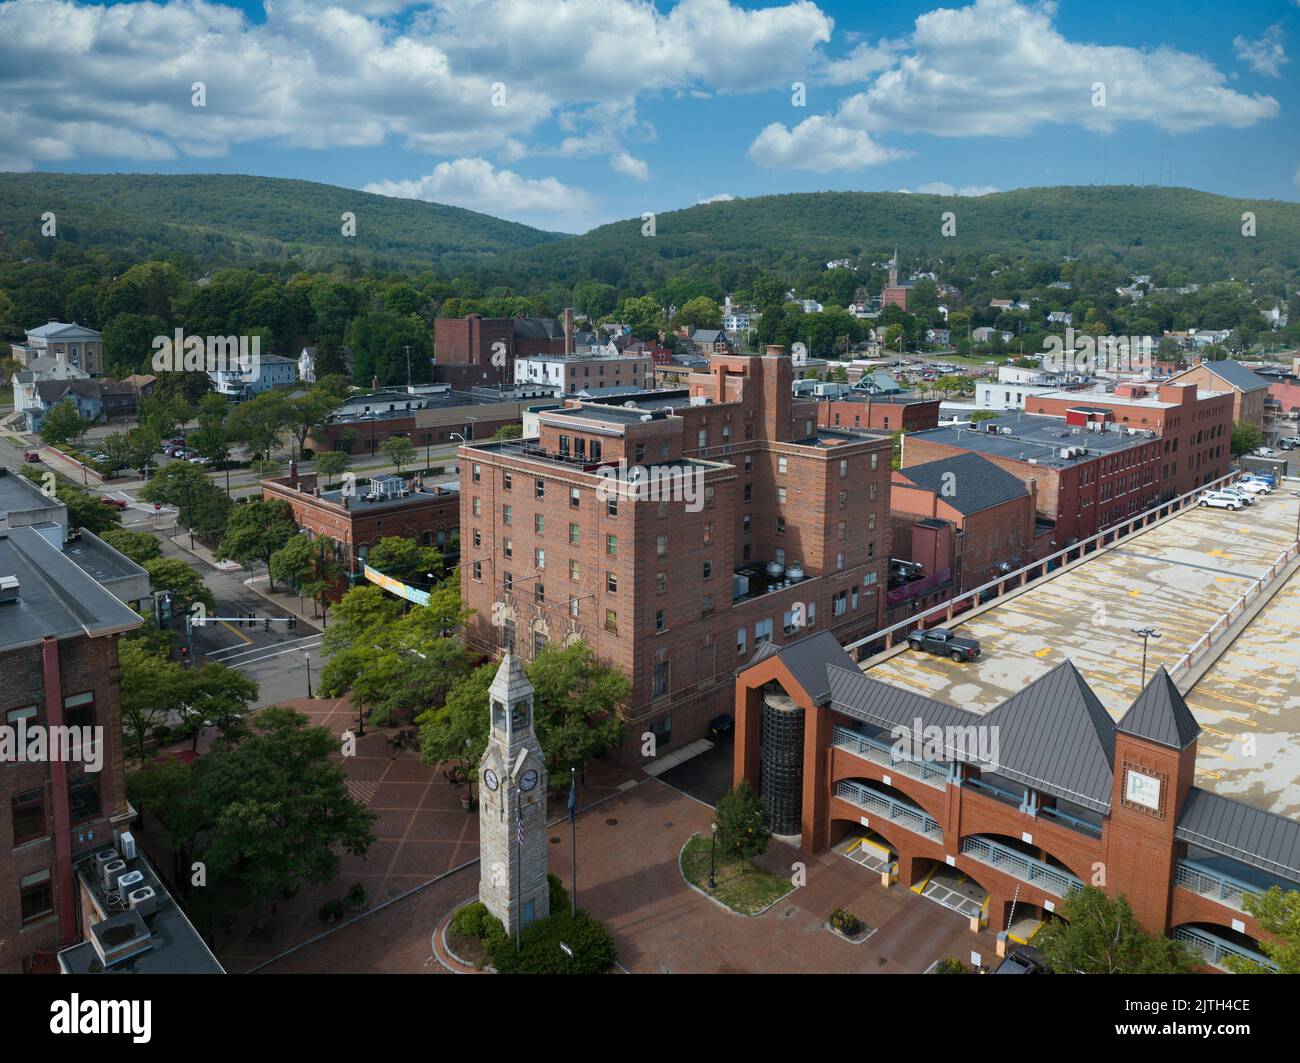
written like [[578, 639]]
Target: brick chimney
[[568, 331], [293, 472]]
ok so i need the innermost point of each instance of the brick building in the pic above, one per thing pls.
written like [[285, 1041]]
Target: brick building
[[58, 651], [1084, 479], [1248, 389], [965, 516], [1194, 425], [386, 506], [879, 413], [1004, 815], [894, 293], [676, 534], [464, 347]]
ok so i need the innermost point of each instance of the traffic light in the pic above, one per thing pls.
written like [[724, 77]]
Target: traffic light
[[293, 623], [266, 624]]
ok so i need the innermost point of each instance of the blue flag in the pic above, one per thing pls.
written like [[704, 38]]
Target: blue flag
[[573, 798]]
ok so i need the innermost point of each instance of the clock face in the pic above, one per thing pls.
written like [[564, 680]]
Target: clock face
[[528, 781], [1142, 790], [490, 779]]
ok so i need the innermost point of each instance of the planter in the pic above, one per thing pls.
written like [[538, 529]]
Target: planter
[[467, 802]]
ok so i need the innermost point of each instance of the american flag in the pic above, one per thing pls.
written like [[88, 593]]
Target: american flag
[[519, 832]]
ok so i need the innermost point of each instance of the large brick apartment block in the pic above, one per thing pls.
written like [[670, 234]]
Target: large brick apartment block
[[879, 413], [58, 652], [785, 528], [463, 347], [1194, 425], [383, 507], [1015, 809], [1248, 389], [1084, 478]]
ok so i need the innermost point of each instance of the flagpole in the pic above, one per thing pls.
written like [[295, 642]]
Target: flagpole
[[573, 823], [519, 843]]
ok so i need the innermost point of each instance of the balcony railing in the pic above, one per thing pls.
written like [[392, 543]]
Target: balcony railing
[[1222, 888], [1018, 865], [1214, 949], [907, 816], [879, 752], [1084, 826]]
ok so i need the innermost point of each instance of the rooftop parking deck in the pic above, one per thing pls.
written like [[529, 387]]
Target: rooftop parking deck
[[1178, 577]]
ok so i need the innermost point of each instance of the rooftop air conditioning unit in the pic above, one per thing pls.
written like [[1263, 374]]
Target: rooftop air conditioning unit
[[132, 880], [126, 841], [1066, 452], [111, 872], [143, 900], [108, 856], [9, 587]]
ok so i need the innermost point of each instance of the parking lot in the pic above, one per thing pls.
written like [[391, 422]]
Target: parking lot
[[1177, 577]]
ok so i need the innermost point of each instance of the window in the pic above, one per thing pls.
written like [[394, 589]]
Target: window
[[507, 548], [508, 633], [708, 532], [507, 480], [28, 714], [871, 522], [611, 546], [853, 597], [478, 537], [708, 495], [640, 452], [539, 642], [611, 621], [37, 896], [662, 509], [780, 496], [844, 467], [478, 571], [507, 582], [762, 632], [574, 497], [661, 546], [539, 591], [659, 679], [782, 466], [706, 605], [749, 460], [83, 798], [659, 619], [742, 634], [875, 460], [539, 558], [79, 710], [574, 535], [611, 507], [661, 582], [708, 569], [539, 524], [573, 607], [575, 571], [663, 731], [844, 499], [840, 603], [703, 437], [478, 473], [871, 492], [611, 582], [840, 529], [477, 505], [746, 522], [780, 525], [839, 562], [29, 816], [539, 488], [749, 492]]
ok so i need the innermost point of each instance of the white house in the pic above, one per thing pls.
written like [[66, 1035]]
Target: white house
[[79, 346], [266, 372], [577, 372]]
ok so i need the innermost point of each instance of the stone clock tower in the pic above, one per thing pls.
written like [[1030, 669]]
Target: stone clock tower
[[512, 806]]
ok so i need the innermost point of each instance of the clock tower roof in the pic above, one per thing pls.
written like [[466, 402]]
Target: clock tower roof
[[510, 683]]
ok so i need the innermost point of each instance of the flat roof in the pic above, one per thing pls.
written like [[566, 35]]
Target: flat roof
[[1178, 577], [19, 495], [1036, 436], [56, 598], [100, 561], [357, 502]]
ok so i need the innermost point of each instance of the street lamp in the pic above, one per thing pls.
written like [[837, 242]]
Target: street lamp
[[1147, 633], [306, 656], [713, 858]]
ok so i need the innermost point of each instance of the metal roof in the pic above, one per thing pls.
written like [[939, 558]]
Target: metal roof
[[1235, 374], [1160, 715], [808, 661], [1262, 839], [977, 484], [1056, 736]]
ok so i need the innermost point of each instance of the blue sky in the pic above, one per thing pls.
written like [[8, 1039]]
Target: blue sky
[[569, 113]]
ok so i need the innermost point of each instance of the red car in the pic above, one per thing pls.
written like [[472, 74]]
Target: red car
[[31, 456], [116, 503]]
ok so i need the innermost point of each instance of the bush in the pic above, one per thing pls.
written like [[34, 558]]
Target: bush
[[593, 947], [559, 895], [950, 965], [471, 920], [845, 922]]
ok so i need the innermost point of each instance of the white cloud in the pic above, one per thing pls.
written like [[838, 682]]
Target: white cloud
[[1002, 68], [478, 185], [818, 144], [1266, 55], [721, 197], [943, 188], [625, 164], [859, 64], [79, 80]]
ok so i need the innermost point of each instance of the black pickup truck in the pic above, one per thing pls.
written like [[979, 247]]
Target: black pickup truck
[[941, 641]]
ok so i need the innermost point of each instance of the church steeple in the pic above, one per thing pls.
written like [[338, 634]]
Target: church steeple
[[512, 814], [893, 269]]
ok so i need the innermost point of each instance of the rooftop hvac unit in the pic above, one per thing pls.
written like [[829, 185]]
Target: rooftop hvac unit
[[132, 880], [111, 872], [1066, 452], [126, 841], [108, 856], [9, 588], [143, 900]]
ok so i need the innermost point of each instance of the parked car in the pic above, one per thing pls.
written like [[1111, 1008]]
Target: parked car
[[1220, 500], [1266, 478], [1240, 492], [1024, 960], [1254, 487], [116, 503], [943, 643], [721, 726], [1266, 452], [31, 456]]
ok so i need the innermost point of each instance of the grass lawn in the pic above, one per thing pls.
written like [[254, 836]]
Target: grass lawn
[[742, 886]]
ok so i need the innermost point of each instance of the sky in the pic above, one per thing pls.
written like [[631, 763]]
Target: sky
[[566, 114]]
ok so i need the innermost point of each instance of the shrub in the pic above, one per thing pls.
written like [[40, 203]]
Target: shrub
[[357, 897], [845, 922], [470, 921], [950, 965], [593, 947], [559, 895]]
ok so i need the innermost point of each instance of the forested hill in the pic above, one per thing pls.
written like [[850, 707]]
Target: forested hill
[[1147, 228], [231, 219]]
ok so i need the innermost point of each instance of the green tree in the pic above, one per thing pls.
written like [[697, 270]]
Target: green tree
[[509, 431], [699, 313], [216, 696], [399, 450], [138, 546], [259, 423], [1245, 438], [86, 511], [153, 690], [1100, 935], [62, 423], [404, 559], [256, 530], [1278, 913], [304, 414], [331, 464], [742, 822], [181, 582]]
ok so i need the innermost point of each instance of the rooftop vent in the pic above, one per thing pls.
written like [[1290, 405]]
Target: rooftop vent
[[120, 937], [8, 589]]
